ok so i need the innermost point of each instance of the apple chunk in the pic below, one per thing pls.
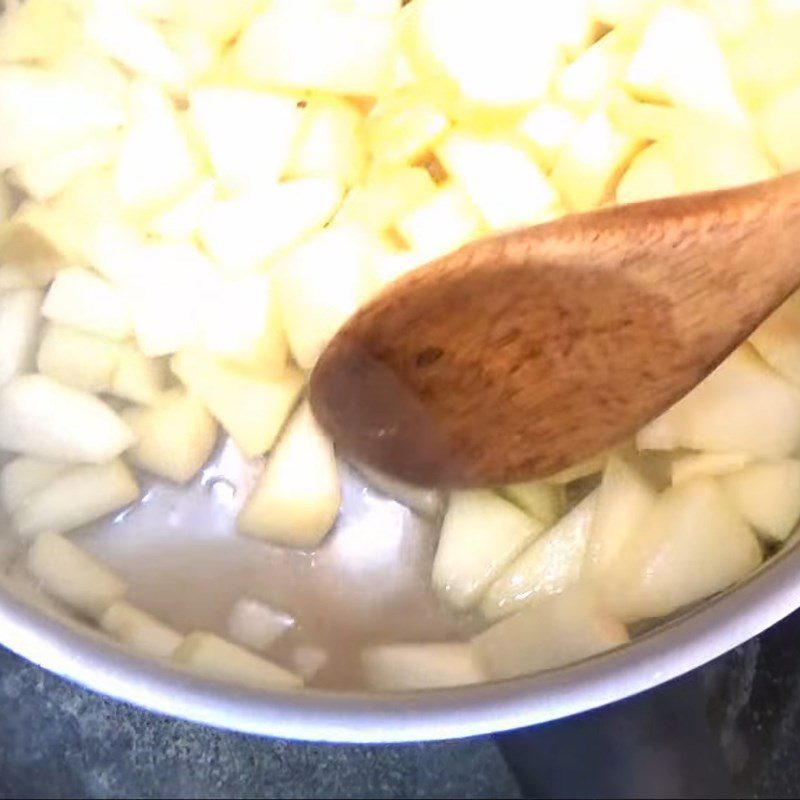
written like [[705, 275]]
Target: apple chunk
[[76, 497], [777, 339], [69, 574], [19, 328], [297, 499], [481, 534], [139, 630], [767, 495], [23, 476], [543, 501], [41, 417], [691, 545], [174, 438], [553, 632], [256, 625]]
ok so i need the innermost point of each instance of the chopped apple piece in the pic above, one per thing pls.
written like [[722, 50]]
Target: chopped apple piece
[[308, 660], [114, 28], [480, 535], [499, 177], [691, 545], [707, 464], [38, 30], [156, 163], [197, 50], [742, 407], [78, 359], [592, 162], [139, 630], [182, 219], [292, 47], [427, 503], [649, 176], [330, 142], [697, 80], [244, 232], [243, 325], [217, 658], [381, 200], [138, 378], [779, 128], [84, 300], [583, 469], [85, 65], [443, 223], [403, 126], [319, 284], [45, 177], [76, 497], [221, 20], [429, 665], [767, 495], [23, 476], [730, 19], [174, 438], [256, 625], [443, 37], [548, 128], [19, 329], [248, 134], [297, 500], [544, 501], [251, 409], [44, 112], [548, 566], [766, 61], [69, 574], [623, 501], [553, 632], [777, 340], [40, 417]]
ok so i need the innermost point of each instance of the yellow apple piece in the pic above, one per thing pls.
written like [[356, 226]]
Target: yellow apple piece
[[243, 326], [23, 476], [221, 20], [499, 177], [297, 499], [544, 501], [75, 498], [443, 38], [248, 134], [44, 113], [650, 175], [182, 219], [405, 125], [43, 178], [690, 546], [765, 62], [319, 284], [292, 46], [38, 30], [72, 576], [699, 465], [741, 407], [19, 330], [778, 124], [217, 658], [383, 198], [444, 222], [553, 632], [43, 418], [548, 566], [242, 233], [731, 19], [698, 79], [78, 359], [139, 630], [197, 50], [548, 127], [156, 163], [308, 661], [137, 378], [480, 535], [427, 665], [174, 437], [117, 31], [86, 301], [583, 469], [257, 626], [330, 142], [767, 495], [623, 501], [251, 409], [83, 64], [592, 161], [777, 339]]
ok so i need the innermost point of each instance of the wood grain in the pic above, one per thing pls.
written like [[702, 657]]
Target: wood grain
[[521, 354]]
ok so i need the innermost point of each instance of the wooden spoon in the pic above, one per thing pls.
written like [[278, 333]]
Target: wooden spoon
[[521, 354]]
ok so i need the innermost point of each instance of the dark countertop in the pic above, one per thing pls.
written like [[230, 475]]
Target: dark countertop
[[729, 729]]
